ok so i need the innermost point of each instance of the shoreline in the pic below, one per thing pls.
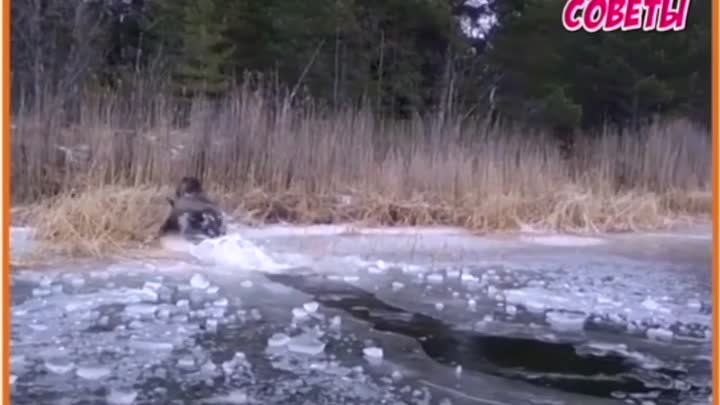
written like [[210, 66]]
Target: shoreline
[[698, 231]]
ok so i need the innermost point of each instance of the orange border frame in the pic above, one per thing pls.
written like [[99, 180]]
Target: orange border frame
[[6, 204], [6, 111], [715, 43]]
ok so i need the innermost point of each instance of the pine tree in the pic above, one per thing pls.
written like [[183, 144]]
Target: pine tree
[[205, 52]]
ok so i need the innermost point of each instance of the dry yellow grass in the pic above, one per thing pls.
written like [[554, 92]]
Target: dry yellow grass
[[97, 222], [94, 185], [109, 220]]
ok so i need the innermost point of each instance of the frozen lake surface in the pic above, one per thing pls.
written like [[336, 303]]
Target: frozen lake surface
[[336, 315]]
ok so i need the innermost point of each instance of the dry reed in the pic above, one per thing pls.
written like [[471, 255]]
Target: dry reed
[[92, 181]]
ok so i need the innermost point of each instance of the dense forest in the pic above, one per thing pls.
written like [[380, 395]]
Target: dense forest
[[485, 114], [507, 60]]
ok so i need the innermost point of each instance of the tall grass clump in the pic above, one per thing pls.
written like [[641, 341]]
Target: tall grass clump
[[90, 170]]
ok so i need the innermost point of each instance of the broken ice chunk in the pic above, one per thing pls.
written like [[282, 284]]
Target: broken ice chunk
[[151, 346], [77, 281], [163, 314], [141, 310], [650, 304], [121, 396], [199, 281], [41, 292], [187, 363], [472, 304], [306, 344], [660, 334], [335, 322], [152, 285], [92, 372], [694, 304], [59, 366], [211, 325], [299, 313], [232, 397], [535, 307], [238, 360], [278, 340], [311, 307], [566, 321], [222, 302]]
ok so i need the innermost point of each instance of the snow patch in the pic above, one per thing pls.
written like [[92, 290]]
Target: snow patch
[[346, 229], [563, 240], [21, 239], [374, 353]]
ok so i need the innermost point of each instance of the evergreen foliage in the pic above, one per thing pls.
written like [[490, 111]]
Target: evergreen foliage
[[403, 57]]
